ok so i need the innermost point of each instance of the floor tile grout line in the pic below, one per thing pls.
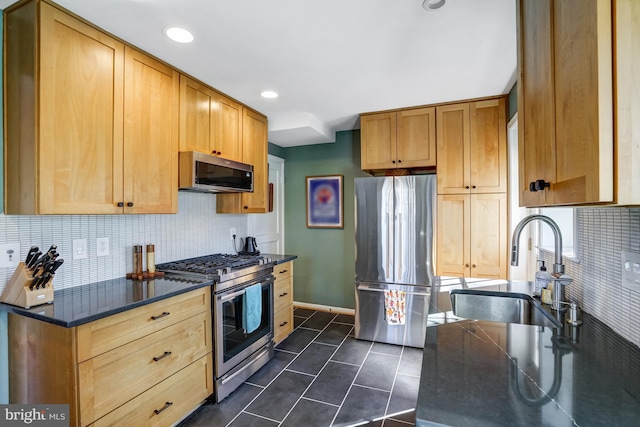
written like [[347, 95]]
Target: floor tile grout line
[[373, 388], [319, 401], [274, 378], [260, 416], [254, 384], [326, 343], [351, 386], [395, 377], [300, 372], [323, 366], [344, 363], [286, 351]]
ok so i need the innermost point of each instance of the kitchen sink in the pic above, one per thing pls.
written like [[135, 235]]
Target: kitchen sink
[[506, 307]]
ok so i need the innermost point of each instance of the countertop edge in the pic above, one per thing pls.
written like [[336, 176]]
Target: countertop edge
[[34, 314]]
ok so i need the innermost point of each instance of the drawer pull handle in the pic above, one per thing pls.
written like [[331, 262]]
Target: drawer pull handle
[[166, 353], [284, 294], [164, 314], [166, 405], [282, 324], [283, 271]]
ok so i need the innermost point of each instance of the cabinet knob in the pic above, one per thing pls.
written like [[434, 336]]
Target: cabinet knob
[[129, 204], [466, 186], [120, 204], [399, 161], [538, 185], [393, 161], [246, 207], [473, 186], [473, 266], [466, 265]]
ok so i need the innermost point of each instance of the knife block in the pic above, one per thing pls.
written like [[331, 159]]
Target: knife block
[[17, 291]]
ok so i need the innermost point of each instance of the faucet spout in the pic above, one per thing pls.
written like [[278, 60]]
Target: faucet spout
[[558, 267]]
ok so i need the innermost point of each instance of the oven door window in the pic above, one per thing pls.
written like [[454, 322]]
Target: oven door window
[[234, 336]]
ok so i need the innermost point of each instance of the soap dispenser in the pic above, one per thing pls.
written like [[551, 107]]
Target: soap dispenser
[[542, 279]]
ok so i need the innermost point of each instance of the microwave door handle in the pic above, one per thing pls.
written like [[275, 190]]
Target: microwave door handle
[[226, 298]]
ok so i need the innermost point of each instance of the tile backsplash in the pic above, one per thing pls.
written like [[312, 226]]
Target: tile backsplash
[[195, 230], [602, 233]]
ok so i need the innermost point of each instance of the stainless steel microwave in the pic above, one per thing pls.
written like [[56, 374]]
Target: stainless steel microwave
[[210, 174]]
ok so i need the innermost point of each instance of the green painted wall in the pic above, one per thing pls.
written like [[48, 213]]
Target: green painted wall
[[324, 271], [276, 150]]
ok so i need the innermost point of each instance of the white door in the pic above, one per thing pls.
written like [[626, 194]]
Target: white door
[[268, 228]]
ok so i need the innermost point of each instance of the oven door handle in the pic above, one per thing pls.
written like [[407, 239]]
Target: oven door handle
[[225, 298]]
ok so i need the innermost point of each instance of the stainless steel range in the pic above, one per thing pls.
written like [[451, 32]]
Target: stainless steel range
[[238, 354]]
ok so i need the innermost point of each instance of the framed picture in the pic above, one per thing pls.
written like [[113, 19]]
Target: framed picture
[[324, 201]]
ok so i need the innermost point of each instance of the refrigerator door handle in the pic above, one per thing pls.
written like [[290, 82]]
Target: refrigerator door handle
[[418, 290]]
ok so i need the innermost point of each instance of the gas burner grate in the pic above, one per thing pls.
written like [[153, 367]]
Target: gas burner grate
[[210, 264]]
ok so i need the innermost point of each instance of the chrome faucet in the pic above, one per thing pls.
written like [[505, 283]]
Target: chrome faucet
[[558, 268]]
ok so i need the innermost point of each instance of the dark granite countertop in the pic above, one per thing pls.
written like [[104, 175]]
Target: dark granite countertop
[[279, 259], [480, 373], [82, 304]]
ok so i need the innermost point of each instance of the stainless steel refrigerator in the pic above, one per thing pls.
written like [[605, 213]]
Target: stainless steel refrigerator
[[394, 257]]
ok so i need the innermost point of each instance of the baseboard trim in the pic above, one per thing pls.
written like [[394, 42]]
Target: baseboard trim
[[327, 308]]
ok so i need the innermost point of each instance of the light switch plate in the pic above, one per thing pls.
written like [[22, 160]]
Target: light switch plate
[[80, 249], [631, 271]]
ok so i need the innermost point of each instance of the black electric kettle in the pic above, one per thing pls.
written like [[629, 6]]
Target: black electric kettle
[[250, 247]]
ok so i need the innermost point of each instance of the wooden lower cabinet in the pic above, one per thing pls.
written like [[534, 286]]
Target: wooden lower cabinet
[[283, 301], [168, 401], [121, 366], [472, 235]]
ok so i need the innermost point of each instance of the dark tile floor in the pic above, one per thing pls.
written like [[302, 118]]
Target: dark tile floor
[[322, 376]]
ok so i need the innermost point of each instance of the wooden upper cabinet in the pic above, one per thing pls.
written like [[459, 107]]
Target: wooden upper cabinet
[[378, 141], [254, 152], [472, 147], [209, 122], [150, 135], [89, 127], [566, 105], [402, 139]]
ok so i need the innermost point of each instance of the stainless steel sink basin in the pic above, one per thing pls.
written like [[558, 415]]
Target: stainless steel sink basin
[[507, 307]]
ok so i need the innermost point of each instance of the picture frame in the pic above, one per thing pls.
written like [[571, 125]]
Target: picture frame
[[325, 204]]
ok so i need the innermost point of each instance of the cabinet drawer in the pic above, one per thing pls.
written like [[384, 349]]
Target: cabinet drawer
[[283, 271], [283, 323], [282, 294], [113, 378], [179, 394], [98, 337]]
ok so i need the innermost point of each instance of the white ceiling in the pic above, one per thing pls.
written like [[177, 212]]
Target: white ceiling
[[328, 59]]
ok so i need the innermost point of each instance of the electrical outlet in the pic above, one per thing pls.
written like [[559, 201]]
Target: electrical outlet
[[233, 233], [9, 255], [80, 249], [631, 270], [102, 246]]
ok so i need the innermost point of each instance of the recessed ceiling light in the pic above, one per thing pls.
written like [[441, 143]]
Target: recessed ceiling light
[[433, 4], [269, 94], [179, 35]]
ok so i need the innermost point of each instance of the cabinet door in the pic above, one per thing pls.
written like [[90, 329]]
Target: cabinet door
[[255, 152], [196, 119], [453, 148], [489, 236], [584, 149], [150, 135], [416, 135], [378, 141], [536, 105], [453, 238], [566, 101], [80, 118], [227, 131], [488, 146]]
